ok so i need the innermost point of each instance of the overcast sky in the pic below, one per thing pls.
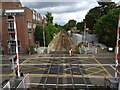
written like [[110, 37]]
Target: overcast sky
[[63, 10]]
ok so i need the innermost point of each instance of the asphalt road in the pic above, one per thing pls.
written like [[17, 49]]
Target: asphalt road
[[62, 71]]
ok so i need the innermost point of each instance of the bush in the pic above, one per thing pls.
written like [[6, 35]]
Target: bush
[[32, 49]]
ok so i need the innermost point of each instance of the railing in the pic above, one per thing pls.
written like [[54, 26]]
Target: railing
[[24, 83], [7, 86]]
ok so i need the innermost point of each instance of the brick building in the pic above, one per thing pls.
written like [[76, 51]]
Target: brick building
[[26, 21]]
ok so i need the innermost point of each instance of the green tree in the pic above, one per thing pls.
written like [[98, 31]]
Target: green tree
[[80, 26], [50, 28], [49, 18], [71, 23], [96, 13], [106, 28], [38, 34]]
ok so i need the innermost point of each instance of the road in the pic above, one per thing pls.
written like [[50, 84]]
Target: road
[[62, 71]]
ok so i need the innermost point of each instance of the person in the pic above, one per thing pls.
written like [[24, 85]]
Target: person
[[21, 74], [70, 52], [16, 72]]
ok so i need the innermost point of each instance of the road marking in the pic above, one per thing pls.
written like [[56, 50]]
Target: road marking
[[114, 69], [59, 84], [68, 57], [25, 61], [60, 64], [101, 66], [58, 57], [88, 62], [87, 69], [95, 72], [55, 75]]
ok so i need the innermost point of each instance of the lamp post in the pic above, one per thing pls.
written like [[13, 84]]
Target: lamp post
[[43, 30], [84, 30]]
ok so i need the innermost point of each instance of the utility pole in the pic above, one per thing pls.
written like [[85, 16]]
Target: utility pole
[[117, 47], [43, 31], [84, 30]]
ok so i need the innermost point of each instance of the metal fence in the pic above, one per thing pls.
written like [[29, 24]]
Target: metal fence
[[86, 50], [7, 86], [24, 83]]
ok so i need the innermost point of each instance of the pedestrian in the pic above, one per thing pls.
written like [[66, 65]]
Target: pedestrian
[[16, 71], [70, 52], [21, 74]]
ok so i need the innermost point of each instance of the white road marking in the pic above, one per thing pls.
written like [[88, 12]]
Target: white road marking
[[114, 68], [59, 84], [24, 61], [23, 64]]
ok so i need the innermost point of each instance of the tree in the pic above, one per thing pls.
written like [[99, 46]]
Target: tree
[[80, 26], [71, 23], [96, 13], [50, 28], [106, 28], [38, 34], [49, 18]]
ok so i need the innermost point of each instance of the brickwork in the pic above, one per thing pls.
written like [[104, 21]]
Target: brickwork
[[25, 34]]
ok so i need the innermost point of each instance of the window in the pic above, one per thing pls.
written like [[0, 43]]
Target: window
[[29, 35], [34, 26], [10, 26], [29, 25], [33, 15], [11, 36], [10, 17], [12, 47]]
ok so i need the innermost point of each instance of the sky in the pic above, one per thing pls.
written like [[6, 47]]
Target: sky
[[63, 10]]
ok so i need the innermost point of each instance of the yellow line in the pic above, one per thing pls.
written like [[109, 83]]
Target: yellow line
[[88, 62], [78, 60], [50, 75], [57, 57], [102, 66], [91, 68], [96, 72]]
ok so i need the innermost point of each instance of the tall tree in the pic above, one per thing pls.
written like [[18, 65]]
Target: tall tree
[[71, 23], [96, 13], [50, 28], [38, 34], [80, 26], [49, 18], [106, 28]]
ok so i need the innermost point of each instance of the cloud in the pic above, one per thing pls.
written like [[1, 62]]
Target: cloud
[[63, 18], [62, 10]]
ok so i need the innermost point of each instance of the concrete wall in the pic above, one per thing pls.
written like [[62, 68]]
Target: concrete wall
[[88, 37]]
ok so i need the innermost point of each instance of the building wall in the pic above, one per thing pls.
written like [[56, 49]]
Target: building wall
[[4, 35], [6, 5], [23, 30]]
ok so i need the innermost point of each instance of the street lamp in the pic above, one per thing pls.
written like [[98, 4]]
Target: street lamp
[[43, 31]]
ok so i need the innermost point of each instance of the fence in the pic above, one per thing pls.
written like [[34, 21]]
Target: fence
[[24, 83], [19, 84], [7, 86], [85, 50]]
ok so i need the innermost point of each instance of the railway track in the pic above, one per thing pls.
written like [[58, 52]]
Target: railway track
[[64, 75], [62, 43]]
